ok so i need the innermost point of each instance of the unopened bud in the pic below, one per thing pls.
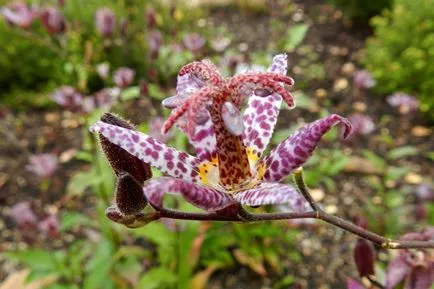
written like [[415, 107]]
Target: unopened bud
[[364, 257], [120, 160], [129, 195]]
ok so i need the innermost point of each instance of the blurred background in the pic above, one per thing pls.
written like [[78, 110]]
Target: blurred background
[[63, 63]]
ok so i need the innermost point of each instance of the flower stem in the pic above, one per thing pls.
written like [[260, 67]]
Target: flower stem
[[247, 217], [301, 185]]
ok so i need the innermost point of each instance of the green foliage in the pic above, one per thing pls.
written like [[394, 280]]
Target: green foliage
[[401, 52], [361, 10], [34, 60]]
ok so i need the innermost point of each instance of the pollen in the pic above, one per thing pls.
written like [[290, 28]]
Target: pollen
[[252, 156], [209, 173]]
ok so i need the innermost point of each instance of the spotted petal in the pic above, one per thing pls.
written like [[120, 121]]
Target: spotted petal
[[200, 196], [273, 194], [151, 151], [297, 149], [203, 141], [260, 116]]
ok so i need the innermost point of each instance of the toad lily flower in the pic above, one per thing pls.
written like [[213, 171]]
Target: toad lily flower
[[229, 168]]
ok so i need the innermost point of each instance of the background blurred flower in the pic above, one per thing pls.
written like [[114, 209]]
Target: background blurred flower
[[155, 40], [53, 20], [194, 42], [43, 165], [362, 124], [50, 226], [123, 26], [105, 21], [103, 70], [69, 98], [414, 267], [123, 77], [363, 79], [404, 102], [425, 192], [19, 14], [23, 215], [219, 44], [155, 126], [150, 17]]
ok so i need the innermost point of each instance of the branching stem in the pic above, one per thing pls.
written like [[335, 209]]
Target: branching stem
[[246, 217]]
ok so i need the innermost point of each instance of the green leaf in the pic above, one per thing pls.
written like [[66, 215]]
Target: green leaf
[[156, 92], [302, 100], [395, 173], [81, 181], [401, 152], [99, 267], [157, 278], [71, 219], [130, 93], [295, 36], [36, 259], [374, 159], [337, 166]]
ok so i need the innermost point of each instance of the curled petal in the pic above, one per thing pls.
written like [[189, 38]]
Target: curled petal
[[192, 105], [232, 119], [120, 159], [273, 194], [279, 64], [150, 151], [201, 197], [297, 149], [260, 116]]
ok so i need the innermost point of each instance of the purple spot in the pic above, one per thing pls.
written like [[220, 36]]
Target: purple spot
[[168, 156], [135, 138], [170, 165], [275, 166], [264, 125]]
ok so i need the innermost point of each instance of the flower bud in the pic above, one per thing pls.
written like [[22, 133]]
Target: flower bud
[[150, 17], [364, 257], [105, 21], [43, 165], [23, 215], [123, 77], [50, 226], [155, 40], [129, 195], [53, 20], [69, 98], [120, 160], [194, 42]]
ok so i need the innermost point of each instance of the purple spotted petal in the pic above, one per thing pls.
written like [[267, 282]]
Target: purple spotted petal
[[297, 149], [151, 151], [397, 270], [201, 197], [273, 194], [204, 139], [232, 118], [260, 116]]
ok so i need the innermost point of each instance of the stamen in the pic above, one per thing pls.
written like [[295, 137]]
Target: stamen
[[232, 119]]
